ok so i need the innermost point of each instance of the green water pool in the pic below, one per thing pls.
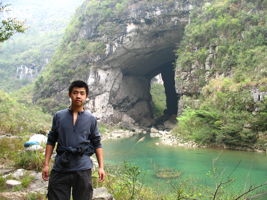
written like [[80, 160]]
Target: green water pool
[[198, 165]]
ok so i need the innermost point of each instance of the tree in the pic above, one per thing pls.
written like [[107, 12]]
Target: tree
[[8, 26]]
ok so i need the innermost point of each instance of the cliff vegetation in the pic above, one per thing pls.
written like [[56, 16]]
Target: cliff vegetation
[[224, 54], [19, 117], [23, 56]]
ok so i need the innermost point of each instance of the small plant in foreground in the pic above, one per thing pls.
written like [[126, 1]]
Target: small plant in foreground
[[32, 160]]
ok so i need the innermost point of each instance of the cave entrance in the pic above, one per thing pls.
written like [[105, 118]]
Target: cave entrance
[[135, 94], [121, 84], [163, 93]]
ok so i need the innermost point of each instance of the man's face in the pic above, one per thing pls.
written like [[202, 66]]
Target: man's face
[[78, 96]]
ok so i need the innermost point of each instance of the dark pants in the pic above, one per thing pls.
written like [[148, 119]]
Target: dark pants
[[60, 185]]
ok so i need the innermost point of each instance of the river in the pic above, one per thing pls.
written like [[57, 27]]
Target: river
[[246, 168]]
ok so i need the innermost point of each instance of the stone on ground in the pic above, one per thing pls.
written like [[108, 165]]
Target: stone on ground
[[12, 183], [102, 194]]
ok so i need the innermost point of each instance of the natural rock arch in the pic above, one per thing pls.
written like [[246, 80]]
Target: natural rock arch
[[120, 83], [118, 51]]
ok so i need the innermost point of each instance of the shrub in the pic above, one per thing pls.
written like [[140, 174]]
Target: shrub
[[35, 196], [123, 182], [31, 160], [26, 180], [9, 149], [2, 184], [17, 118], [158, 99]]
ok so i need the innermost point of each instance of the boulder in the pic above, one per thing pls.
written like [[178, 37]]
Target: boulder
[[38, 138], [34, 143], [4, 171], [154, 132], [35, 147], [102, 194], [12, 183], [18, 173]]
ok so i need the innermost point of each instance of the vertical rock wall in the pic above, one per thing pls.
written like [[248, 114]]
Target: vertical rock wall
[[118, 52], [120, 83]]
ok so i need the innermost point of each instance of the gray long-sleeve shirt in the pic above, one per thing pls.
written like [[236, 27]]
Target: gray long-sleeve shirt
[[65, 134]]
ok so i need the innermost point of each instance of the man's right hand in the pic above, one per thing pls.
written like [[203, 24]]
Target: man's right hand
[[45, 173]]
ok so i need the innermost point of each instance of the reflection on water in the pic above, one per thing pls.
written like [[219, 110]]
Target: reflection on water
[[198, 165]]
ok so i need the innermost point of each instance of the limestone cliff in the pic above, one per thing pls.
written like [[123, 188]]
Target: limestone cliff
[[118, 47], [220, 76]]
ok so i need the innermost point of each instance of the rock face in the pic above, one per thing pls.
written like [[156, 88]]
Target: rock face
[[187, 81], [24, 72], [120, 82], [118, 48], [258, 95]]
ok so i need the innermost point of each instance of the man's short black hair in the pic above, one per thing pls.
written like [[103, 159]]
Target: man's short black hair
[[79, 84]]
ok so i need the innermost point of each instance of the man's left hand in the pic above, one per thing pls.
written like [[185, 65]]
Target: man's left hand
[[101, 174]]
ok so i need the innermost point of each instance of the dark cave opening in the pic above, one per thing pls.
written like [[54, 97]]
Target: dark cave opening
[[138, 63]]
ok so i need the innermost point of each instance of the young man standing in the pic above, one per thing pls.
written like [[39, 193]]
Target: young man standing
[[76, 134]]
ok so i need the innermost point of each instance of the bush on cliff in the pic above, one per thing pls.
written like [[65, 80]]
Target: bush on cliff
[[227, 116]]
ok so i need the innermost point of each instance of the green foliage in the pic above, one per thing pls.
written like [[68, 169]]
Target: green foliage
[[9, 148], [69, 62], [224, 116], [9, 26], [158, 99], [234, 32], [231, 36], [121, 180], [35, 196], [198, 125], [110, 29], [78, 48], [128, 181], [31, 160], [96, 11], [26, 181], [103, 128], [131, 176], [38, 43], [2, 184], [25, 51], [18, 118]]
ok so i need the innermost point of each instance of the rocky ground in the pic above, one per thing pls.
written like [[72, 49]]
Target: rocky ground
[[161, 131], [166, 138], [13, 180], [13, 176], [37, 185]]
